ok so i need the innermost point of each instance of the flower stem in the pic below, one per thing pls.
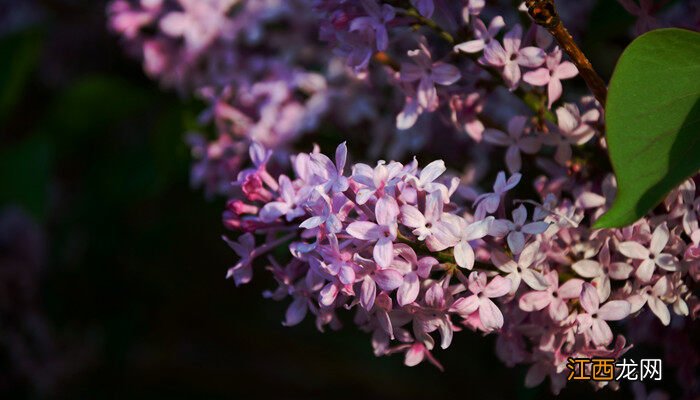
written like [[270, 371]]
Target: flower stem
[[545, 15]]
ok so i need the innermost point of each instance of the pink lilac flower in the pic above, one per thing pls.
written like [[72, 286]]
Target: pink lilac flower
[[244, 247], [572, 129], [593, 321], [510, 57], [483, 35], [428, 74], [487, 203], [553, 298], [652, 296], [465, 114], [289, 207], [651, 257], [515, 141], [423, 224], [551, 76], [480, 303], [522, 270], [685, 206], [383, 232], [516, 229], [602, 270], [332, 174], [378, 181], [461, 233]]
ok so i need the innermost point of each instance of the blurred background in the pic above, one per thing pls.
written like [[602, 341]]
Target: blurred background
[[112, 268]]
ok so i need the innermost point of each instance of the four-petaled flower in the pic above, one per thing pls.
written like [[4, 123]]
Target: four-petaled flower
[[651, 257], [375, 22], [523, 269], [428, 73], [594, 319], [517, 229], [489, 315], [483, 35], [383, 231], [554, 297], [487, 203], [510, 57], [515, 141], [551, 76]]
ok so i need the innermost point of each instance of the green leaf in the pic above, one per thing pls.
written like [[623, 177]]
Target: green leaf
[[653, 121]]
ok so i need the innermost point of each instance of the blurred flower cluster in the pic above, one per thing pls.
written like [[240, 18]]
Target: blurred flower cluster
[[418, 253]]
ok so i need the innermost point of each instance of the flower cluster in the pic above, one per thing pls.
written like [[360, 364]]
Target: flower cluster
[[414, 253], [395, 244]]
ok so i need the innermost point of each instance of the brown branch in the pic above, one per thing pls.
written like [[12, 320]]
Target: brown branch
[[545, 15]]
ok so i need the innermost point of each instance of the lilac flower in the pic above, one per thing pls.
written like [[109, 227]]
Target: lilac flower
[[686, 207], [425, 181], [428, 73], [423, 224], [328, 212], [594, 319], [376, 182], [465, 114], [432, 315], [515, 141], [332, 174], [413, 270], [489, 315], [551, 76], [510, 57], [554, 297], [289, 207], [573, 128], [244, 247], [522, 269], [462, 233], [487, 203], [378, 17], [652, 296], [517, 229], [130, 20], [483, 35], [602, 270], [383, 232], [651, 257]]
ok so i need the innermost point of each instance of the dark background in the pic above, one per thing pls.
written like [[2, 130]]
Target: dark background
[[131, 287]]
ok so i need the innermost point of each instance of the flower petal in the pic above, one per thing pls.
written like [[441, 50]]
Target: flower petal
[[614, 310], [464, 255], [408, 291], [388, 279]]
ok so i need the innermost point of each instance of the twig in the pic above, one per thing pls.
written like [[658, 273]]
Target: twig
[[545, 15]]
